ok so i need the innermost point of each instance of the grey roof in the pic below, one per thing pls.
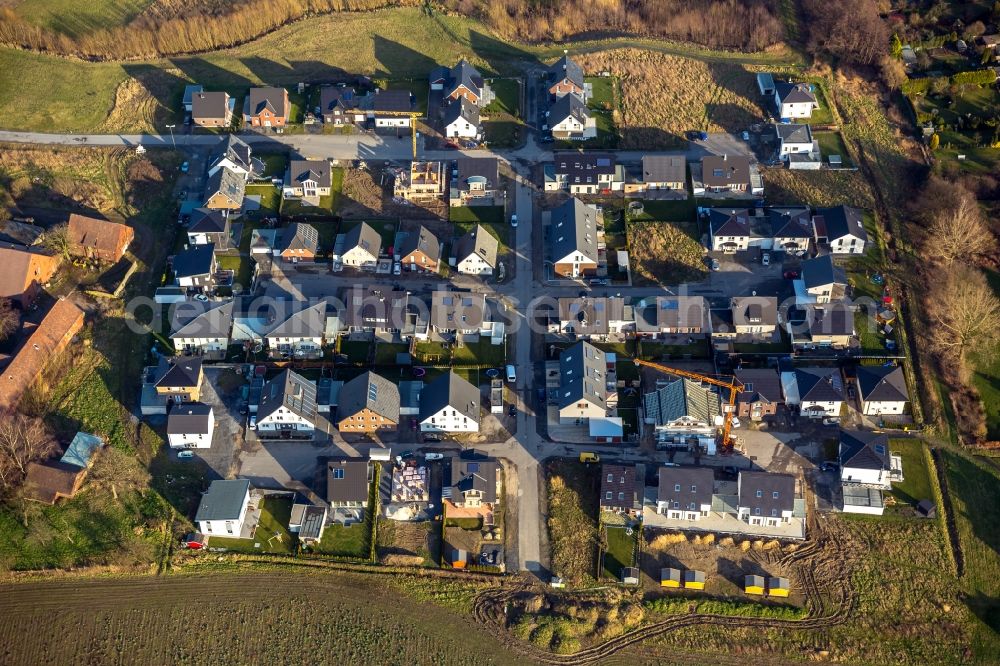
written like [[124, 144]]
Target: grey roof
[[238, 151], [299, 236], [450, 390], [623, 480], [821, 271], [178, 371], [370, 391], [487, 168], [790, 223], [882, 384], [267, 98], [223, 500], [194, 261], [478, 241], [228, 183], [794, 132], [794, 93], [203, 320], [730, 222], [838, 222], [591, 316], [301, 322], [332, 97], [725, 170], [759, 385], [463, 74], [676, 398], [381, 307], [364, 236], [318, 171], [583, 375], [291, 391], [831, 319], [353, 485], [208, 221], [671, 312], [574, 229], [767, 484], [475, 472], [189, 418], [392, 100], [863, 449], [461, 108], [584, 168], [313, 520], [422, 240], [81, 450], [458, 310], [696, 485], [209, 105], [568, 106], [818, 384], [189, 91], [664, 168], [566, 69], [755, 310]]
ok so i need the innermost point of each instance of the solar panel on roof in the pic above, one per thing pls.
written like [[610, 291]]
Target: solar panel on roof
[[603, 161], [669, 305], [372, 392], [473, 467]]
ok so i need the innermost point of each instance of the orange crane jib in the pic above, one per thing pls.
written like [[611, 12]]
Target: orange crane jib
[[734, 385]]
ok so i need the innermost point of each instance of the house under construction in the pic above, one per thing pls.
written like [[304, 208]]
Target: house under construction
[[424, 180]]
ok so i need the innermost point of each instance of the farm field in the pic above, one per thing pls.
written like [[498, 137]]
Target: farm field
[[323, 619]]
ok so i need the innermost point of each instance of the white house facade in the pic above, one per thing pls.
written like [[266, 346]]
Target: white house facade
[[474, 265]]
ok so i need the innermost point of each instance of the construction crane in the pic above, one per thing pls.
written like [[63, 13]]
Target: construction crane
[[413, 115], [734, 385]]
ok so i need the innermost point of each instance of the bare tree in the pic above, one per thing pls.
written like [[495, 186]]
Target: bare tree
[[960, 231], [23, 440], [850, 30], [119, 472], [10, 319], [56, 240], [966, 312]]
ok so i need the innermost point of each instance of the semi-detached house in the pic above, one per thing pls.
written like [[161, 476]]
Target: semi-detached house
[[573, 240]]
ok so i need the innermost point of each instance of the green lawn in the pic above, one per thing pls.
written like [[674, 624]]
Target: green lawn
[[275, 164], [658, 350], [242, 266], [986, 378], [465, 523], [350, 541], [761, 347], [385, 353], [502, 131], [431, 352], [386, 228], [602, 107], [270, 198], [682, 210], [621, 550], [831, 143], [356, 350], [872, 342], [916, 483], [272, 531], [500, 231], [481, 353], [468, 216], [508, 93], [75, 19], [626, 370]]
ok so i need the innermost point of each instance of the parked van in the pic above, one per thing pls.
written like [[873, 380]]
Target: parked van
[[511, 375], [589, 457]]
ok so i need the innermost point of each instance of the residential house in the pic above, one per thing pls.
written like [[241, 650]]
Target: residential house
[[341, 105], [749, 318], [461, 120], [23, 272], [459, 313], [362, 246], [794, 100], [662, 172], [189, 92], [225, 190], [670, 315], [462, 80], [47, 342], [348, 485], [829, 326], [422, 181], [593, 318], [765, 498], [209, 227], [449, 404], [391, 109], [683, 413], [223, 508], [212, 109], [587, 388], [194, 268], [236, 155], [178, 379], [267, 107], [794, 138], [732, 229], [385, 312], [475, 181], [299, 242], [621, 491], [287, 406], [190, 426], [573, 240], [791, 229], [420, 251], [308, 179], [822, 281], [368, 403], [202, 328], [685, 493], [565, 77], [569, 119], [867, 469], [817, 392], [301, 333], [727, 173], [583, 173], [98, 239], [307, 522], [882, 390], [761, 394], [48, 482], [475, 482], [841, 228], [476, 252]]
